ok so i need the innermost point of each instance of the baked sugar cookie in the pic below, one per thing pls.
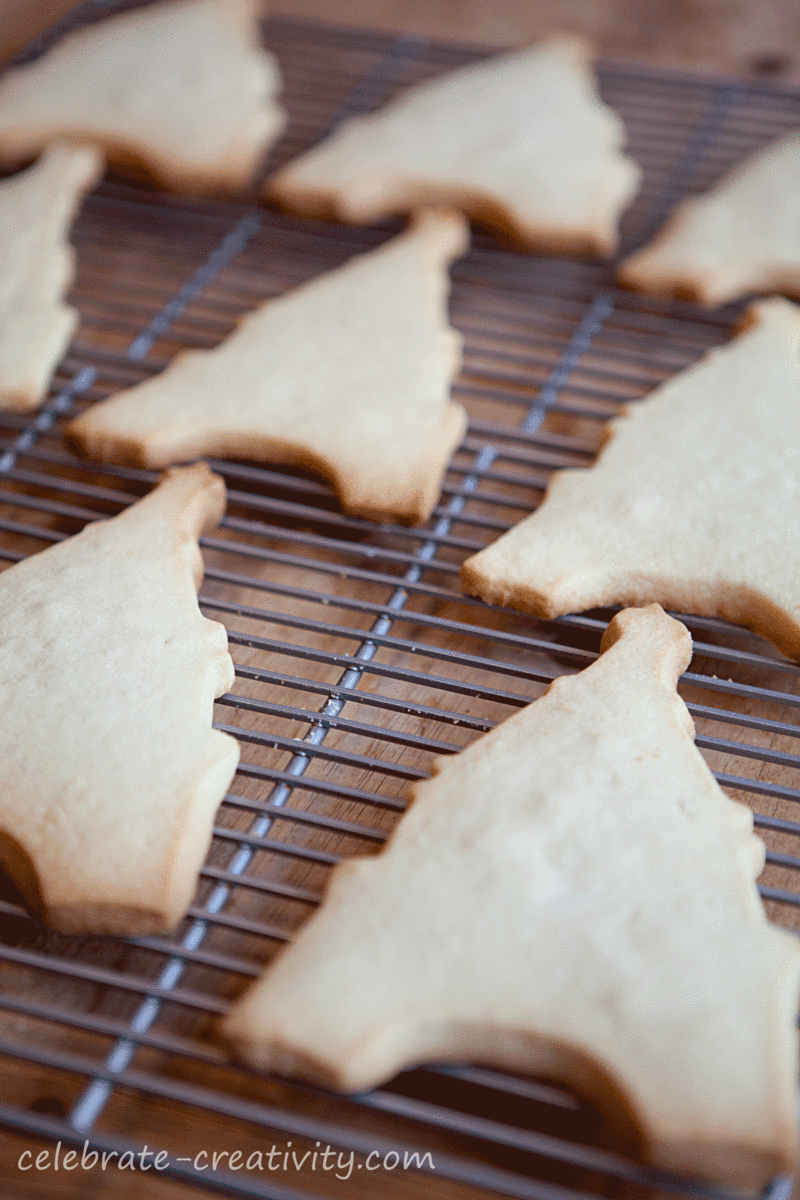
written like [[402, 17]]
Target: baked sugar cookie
[[522, 143], [348, 375], [572, 895], [743, 236], [36, 268], [110, 772], [694, 501], [182, 88]]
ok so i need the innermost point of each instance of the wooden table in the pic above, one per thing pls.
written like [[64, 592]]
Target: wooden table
[[746, 38]]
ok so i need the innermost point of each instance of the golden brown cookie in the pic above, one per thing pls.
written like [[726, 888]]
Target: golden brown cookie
[[693, 503], [742, 236], [110, 772], [36, 268], [522, 143], [182, 88], [348, 375], [573, 896]]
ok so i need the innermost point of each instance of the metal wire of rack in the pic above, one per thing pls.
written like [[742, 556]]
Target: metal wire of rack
[[358, 658]]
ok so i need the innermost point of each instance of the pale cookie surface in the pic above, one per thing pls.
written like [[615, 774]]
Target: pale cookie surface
[[743, 236], [522, 143], [36, 269], [572, 895], [694, 501], [110, 772], [182, 88], [348, 375]]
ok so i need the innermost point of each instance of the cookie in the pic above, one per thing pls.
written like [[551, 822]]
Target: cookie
[[36, 269], [110, 772], [348, 375], [693, 503], [182, 88], [743, 236], [572, 895], [522, 143]]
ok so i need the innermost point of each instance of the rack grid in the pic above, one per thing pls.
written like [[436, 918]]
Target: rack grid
[[358, 658]]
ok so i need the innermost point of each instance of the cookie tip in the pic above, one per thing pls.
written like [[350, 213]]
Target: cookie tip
[[446, 224], [656, 633]]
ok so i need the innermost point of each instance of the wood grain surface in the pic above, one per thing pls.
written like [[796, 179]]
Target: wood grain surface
[[736, 37], [747, 38]]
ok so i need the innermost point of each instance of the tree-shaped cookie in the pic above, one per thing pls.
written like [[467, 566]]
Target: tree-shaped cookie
[[572, 895], [36, 268], [522, 143], [694, 501], [181, 87], [110, 772], [742, 236], [348, 375]]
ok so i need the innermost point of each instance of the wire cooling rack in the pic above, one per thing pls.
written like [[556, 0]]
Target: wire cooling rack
[[358, 658]]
